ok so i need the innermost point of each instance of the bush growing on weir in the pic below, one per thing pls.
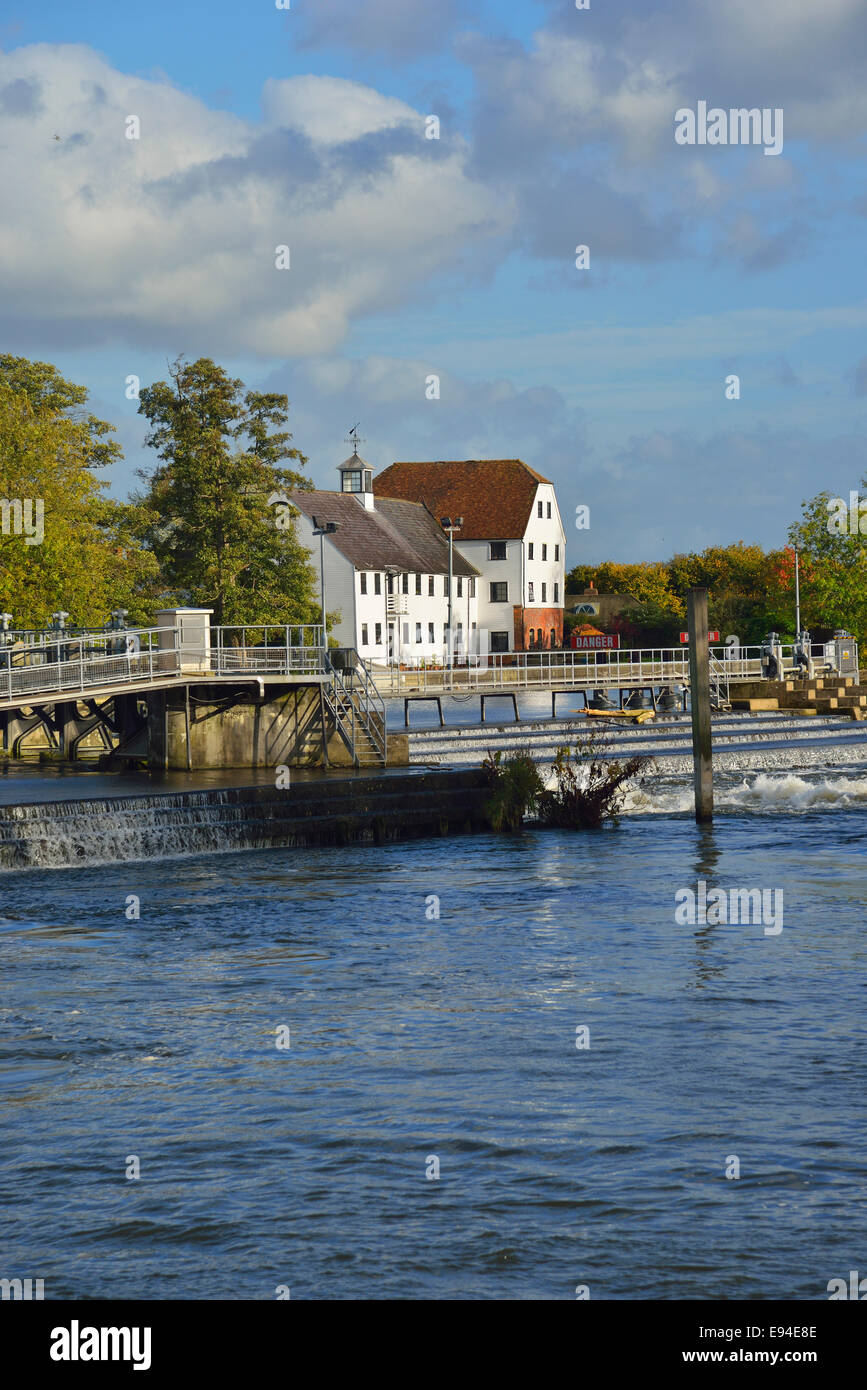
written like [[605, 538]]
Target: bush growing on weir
[[589, 787]]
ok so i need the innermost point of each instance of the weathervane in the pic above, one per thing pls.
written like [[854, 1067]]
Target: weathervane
[[353, 439]]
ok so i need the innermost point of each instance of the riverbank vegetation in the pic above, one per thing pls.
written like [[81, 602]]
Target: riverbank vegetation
[[588, 786], [751, 591]]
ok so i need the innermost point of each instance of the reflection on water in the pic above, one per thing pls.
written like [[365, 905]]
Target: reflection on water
[[412, 1035]]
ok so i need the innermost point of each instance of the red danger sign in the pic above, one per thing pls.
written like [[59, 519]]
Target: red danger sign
[[595, 644], [711, 637]]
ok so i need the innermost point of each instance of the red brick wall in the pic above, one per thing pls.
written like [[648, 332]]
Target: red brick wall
[[535, 618]]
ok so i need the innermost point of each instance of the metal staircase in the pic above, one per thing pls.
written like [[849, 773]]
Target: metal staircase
[[358, 712]]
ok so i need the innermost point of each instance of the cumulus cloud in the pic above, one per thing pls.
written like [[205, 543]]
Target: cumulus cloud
[[172, 237]]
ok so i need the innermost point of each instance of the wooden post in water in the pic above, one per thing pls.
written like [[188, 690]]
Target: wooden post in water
[[699, 699]]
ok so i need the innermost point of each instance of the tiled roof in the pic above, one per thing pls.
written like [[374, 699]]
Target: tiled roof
[[397, 534], [494, 496]]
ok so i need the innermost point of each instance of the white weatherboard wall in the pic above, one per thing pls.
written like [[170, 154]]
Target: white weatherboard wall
[[544, 531], [518, 570], [343, 592], [339, 581]]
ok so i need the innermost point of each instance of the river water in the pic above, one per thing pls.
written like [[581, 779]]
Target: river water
[[414, 1037]]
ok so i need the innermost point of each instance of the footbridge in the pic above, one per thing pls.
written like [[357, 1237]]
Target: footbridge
[[189, 694]]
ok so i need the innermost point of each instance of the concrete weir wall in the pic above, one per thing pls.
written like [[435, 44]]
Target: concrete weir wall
[[328, 810], [235, 727]]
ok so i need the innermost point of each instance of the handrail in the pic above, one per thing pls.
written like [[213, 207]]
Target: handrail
[[546, 669]]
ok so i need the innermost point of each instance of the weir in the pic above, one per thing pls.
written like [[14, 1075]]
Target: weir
[[331, 810]]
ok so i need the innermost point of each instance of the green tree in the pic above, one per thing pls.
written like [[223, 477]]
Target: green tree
[[205, 513], [833, 567], [86, 560]]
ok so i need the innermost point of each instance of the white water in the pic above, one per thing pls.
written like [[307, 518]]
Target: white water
[[763, 794]]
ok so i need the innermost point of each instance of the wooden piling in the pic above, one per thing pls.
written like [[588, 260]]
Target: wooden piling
[[699, 699]]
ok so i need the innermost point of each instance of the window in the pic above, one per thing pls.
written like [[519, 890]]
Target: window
[[549, 511], [460, 586], [405, 585], [544, 593], [390, 583], [378, 631], [531, 636], [473, 591], [363, 578], [418, 583], [556, 593], [553, 638], [499, 593], [430, 633], [497, 550], [445, 586], [430, 585], [544, 552], [539, 508], [556, 552], [530, 550], [499, 641], [377, 583], [418, 632], [530, 593], [364, 641], [352, 480]]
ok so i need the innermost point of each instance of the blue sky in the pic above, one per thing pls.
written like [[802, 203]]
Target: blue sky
[[456, 257]]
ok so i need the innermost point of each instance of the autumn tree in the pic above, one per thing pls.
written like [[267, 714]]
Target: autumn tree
[[86, 560]]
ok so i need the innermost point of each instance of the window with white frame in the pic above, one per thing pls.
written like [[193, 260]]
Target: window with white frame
[[499, 591], [377, 585], [363, 582], [430, 586], [364, 641], [377, 632], [531, 592]]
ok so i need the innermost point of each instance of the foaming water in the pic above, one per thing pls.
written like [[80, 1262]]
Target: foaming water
[[764, 794]]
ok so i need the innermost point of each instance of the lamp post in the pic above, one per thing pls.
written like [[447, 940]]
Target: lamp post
[[450, 527], [323, 529], [797, 597]]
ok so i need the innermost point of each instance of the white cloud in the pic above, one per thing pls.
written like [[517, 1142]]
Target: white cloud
[[171, 238]]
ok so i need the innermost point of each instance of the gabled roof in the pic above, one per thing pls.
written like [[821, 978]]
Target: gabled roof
[[399, 535], [494, 496]]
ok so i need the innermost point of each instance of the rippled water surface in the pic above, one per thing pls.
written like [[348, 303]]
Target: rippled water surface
[[412, 1037]]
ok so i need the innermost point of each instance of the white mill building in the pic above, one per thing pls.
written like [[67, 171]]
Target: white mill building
[[387, 572]]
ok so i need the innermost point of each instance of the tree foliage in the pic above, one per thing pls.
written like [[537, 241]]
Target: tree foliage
[[223, 451], [88, 560]]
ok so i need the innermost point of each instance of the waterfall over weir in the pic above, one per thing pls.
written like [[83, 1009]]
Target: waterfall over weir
[[101, 830]]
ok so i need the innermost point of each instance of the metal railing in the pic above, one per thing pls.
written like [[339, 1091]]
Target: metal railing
[[356, 703], [552, 670], [65, 663], [73, 665], [287, 650]]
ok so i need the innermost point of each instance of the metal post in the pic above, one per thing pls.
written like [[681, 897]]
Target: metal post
[[797, 597], [322, 579], [449, 647], [699, 698]]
